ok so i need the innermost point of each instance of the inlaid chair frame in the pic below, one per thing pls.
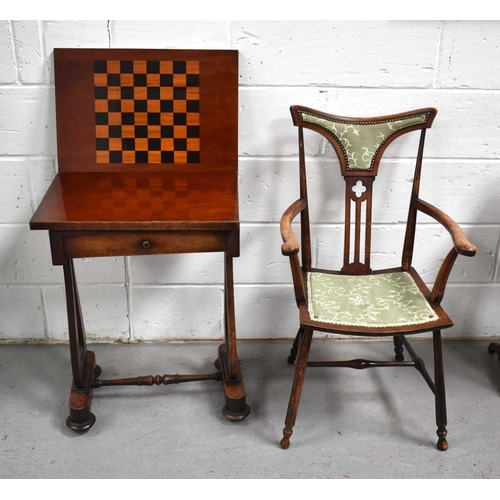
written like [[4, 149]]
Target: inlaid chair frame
[[359, 162]]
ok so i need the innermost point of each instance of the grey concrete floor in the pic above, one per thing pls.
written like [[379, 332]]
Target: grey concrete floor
[[376, 423]]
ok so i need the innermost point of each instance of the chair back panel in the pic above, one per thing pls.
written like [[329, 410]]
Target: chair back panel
[[360, 144]]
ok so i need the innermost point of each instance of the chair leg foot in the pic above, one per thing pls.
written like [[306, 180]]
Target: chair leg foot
[[97, 371], [442, 444], [285, 442]]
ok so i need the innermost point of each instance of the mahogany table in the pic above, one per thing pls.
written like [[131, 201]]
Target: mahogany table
[[147, 155]]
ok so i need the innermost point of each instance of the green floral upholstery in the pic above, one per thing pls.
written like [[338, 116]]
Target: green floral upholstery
[[374, 300], [361, 141]]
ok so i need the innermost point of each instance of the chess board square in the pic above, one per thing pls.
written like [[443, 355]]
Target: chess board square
[[128, 144], [179, 80], [127, 105], [140, 67], [153, 66], [126, 67], [101, 118], [115, 144], [180, 106], [100, 67], [115, 131], [115, 156], [140, 80], [167, 131], [102, 144], [154, 131], [166, 106], [128, 118], [114, 105], [141, 144], [153, 92], [193, 107], [193, 131], [141, 131], [179, 92], [193, 157], [179, 67], [140, 105], [167, 119], [179, 119], [154, 106], [167, 157], [127, 93], [153, 118], [180, 144], [193, 144], [192, 80], [141, 156], [114, 80], [154, 144], [101, 92]]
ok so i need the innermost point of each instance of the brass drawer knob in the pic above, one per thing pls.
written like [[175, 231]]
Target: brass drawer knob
[[146, 244]]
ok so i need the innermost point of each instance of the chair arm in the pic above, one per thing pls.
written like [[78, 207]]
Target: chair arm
[[460, 242], [290, 242]]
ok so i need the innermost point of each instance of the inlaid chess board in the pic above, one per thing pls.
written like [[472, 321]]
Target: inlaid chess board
[[147, 111], [139, 110]]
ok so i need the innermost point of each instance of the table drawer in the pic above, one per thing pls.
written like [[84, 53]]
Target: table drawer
[[120, 243]]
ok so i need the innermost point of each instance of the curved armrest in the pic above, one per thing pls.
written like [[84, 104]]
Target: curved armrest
[[291, 243], [462, 245]]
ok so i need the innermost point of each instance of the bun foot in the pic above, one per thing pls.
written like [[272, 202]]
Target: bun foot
[[236, 416], [442, 444], [285, 443], [81, 426], [97, 371]]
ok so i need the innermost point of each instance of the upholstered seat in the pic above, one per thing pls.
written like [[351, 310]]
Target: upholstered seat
[[374, 300]]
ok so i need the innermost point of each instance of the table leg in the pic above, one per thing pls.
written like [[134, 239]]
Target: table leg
[[228, 363], [82, 361]]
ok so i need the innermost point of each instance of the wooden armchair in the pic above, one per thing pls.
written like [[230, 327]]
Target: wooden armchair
[[358, 300]]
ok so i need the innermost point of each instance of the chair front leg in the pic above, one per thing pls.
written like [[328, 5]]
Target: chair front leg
[[298, 382], [440, 395], [295, 347]]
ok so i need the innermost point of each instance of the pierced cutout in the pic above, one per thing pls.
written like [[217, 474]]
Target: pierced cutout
[[358, 189]]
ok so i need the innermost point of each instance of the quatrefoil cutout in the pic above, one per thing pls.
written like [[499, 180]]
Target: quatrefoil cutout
[[358, 189]]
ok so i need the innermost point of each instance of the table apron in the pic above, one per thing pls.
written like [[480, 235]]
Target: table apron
[[79, 244]]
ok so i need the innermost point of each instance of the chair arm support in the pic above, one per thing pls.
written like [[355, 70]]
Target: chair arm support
[[290, 242], [460, 242]]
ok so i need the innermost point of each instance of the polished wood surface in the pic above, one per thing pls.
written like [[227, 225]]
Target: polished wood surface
[[359, 190], [148, 164], [139, 200], [75, 106]]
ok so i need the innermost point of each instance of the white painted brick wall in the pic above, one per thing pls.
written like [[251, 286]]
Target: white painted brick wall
[[358, 69]]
